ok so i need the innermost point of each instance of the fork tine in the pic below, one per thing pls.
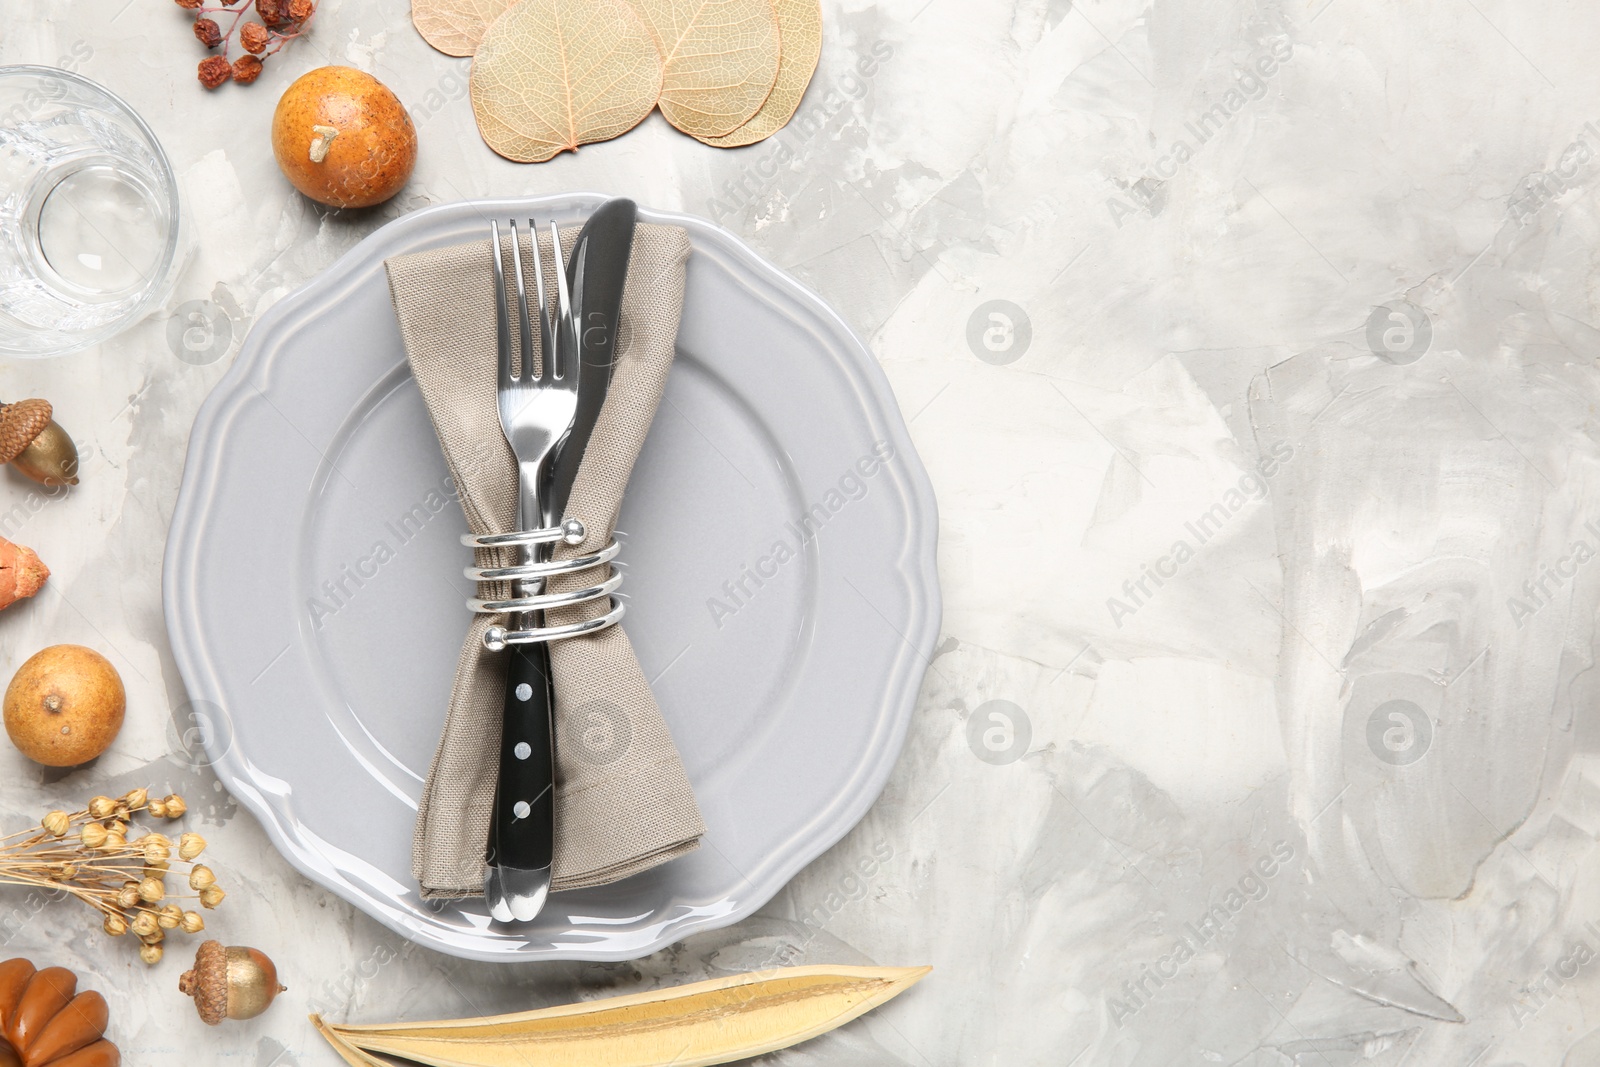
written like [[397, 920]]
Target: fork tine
[[546, 345], [563, 301], [525, 332], [502, 317]]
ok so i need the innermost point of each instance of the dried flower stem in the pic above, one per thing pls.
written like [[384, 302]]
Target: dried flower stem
[[87, 856]]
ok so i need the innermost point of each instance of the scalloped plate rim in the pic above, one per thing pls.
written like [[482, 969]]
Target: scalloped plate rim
[[917, 570]]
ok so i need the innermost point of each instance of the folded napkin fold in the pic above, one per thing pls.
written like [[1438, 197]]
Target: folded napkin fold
[[623, 801]]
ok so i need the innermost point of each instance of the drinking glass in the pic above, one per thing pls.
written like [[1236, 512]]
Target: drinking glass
[[88, 214]]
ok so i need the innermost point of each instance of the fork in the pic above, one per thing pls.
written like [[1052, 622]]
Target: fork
[[536, 415]]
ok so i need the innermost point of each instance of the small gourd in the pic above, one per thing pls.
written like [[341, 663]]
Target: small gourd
[[343, 138]]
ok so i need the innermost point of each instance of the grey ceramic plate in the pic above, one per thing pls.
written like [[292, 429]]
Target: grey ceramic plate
[[782, 594]]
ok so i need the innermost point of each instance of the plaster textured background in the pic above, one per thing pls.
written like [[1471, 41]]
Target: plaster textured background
[[1250, 347]]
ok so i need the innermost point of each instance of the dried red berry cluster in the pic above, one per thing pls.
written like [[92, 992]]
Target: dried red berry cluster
[[281, 22]]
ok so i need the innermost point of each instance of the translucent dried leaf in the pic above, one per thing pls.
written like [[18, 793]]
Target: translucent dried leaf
[[455, 27], [800, 34], [719, 60], [551, 75], [719, 1021]]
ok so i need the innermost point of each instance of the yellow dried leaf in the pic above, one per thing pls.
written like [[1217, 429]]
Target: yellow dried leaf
[[695, 1025], [719, 60], [347, 1052], [455, 27], [800, 33], [551, 75]]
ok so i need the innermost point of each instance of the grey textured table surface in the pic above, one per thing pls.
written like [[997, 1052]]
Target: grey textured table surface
[[1250, 349]]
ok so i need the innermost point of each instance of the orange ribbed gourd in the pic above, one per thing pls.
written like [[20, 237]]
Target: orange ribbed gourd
[[46, 1022]]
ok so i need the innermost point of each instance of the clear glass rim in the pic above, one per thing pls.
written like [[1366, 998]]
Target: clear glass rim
[[161, 278]]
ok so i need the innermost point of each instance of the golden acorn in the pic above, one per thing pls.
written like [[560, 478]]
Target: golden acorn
[[35, 444], [230, 983]]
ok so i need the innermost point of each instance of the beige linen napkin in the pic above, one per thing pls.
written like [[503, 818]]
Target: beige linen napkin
[[623, 801]]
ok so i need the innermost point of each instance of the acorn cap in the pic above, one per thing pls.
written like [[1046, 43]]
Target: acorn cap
[[208, 982], [20, 423]]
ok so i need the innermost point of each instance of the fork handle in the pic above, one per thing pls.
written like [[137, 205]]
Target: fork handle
[[522, 833]]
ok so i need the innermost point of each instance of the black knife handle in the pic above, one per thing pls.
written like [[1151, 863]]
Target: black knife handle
[[523, 830]]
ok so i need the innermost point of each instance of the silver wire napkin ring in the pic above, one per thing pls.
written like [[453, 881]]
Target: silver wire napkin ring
[[531, 577]]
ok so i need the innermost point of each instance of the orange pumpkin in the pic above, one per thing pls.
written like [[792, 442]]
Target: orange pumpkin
[[46, 1022]]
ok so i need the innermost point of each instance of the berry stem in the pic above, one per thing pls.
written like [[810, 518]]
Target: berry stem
[[227, 38], [281, 39]]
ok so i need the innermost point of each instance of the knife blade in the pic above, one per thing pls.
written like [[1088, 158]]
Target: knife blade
[[598, 273]]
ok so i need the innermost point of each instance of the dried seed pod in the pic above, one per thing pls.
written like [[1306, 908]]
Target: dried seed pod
[[246, 69], [192, 922], [210, 897], [230, 983], [93, 836], [151, 954], [170, 917], [254, 37], [175, 806], [214, 70], [158, 809], [207, 32], [151, 890], [57, 823], [274, 13], [128, 896], [115, 925], [145, 924], [190, 845], [136, 799], [201, 877], [102, 807]]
